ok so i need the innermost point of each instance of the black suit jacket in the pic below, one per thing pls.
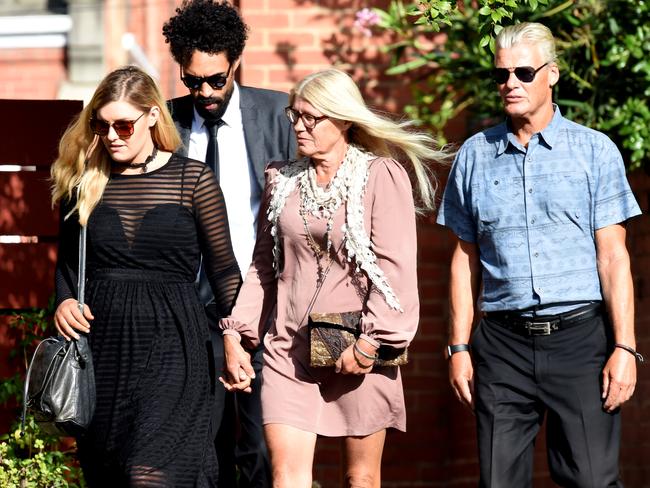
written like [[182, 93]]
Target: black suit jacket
[[268, 135], [267, 131]]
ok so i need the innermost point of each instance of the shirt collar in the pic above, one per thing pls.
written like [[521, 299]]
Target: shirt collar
[[503, 134], [232, 115], [548, 134]]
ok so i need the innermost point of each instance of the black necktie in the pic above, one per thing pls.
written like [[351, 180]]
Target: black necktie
[[212, 155], [212, 160]]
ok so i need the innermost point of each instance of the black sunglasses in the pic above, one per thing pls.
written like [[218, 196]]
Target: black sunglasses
[[217, 82], [523, 73], [123, 128], [308, 120]]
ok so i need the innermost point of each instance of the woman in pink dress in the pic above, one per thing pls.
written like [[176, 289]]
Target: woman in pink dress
[[340, 218]]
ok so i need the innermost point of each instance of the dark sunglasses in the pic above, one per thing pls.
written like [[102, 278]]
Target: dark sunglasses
[[523, 73], [308, 120], [217, 82], [123, 128]]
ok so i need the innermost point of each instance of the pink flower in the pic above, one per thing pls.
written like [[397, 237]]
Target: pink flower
[[365, 19]]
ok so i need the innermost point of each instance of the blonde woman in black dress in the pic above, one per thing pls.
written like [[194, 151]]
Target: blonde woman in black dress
[[151, 215]]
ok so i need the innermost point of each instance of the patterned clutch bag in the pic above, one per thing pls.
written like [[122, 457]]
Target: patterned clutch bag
[[331, 333]]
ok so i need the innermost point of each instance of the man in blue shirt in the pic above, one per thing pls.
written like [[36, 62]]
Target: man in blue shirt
[[538, 205]]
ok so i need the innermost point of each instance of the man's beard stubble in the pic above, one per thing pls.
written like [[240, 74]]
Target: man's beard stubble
[[222, 104]]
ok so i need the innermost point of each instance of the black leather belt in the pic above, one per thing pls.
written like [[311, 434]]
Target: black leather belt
[[544, 325]]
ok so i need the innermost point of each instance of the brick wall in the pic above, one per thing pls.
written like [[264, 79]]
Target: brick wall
[[292, 38], [635, 450], [288, 39], [31, 73]]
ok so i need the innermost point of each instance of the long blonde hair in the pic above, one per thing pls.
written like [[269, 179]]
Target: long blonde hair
[[334, 93], [83, 161]]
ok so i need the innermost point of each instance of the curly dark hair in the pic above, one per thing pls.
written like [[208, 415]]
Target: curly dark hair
[[209, 26]]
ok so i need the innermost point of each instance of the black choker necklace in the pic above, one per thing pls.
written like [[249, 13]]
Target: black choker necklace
[[139, 165]]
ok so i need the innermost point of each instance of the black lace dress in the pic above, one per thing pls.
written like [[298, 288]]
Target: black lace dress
[[150, 338]]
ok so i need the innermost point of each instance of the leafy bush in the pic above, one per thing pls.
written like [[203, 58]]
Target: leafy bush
[[34, 459], [445, 49]]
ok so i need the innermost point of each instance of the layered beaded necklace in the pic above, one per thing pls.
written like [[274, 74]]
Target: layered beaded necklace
[[315, 247], [323, 202], [348, 186]]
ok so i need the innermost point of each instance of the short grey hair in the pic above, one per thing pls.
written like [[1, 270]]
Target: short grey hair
[[528, 33]]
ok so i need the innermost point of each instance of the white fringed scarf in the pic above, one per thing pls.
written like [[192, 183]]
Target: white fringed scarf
[[347, 186]]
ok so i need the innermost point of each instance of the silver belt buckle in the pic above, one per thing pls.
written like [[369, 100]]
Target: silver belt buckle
[[539, 328]]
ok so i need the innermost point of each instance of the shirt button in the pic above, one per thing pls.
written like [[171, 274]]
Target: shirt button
[[529, 159], [496, 182], [530, 190], [532, 221], [536, 254]]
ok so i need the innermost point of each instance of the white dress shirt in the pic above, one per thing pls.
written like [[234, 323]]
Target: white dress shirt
[[236, 177]]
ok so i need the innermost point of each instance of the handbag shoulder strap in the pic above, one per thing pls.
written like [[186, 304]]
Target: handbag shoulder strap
[[26, 391], [81, 275], [319, 286]]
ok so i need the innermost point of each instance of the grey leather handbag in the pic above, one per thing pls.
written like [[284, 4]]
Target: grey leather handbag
[[60, 382]]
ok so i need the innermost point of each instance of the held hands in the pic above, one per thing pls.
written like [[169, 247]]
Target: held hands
[[352, 361], [619, 379], [68, 318], [238, 369], [461, 378]]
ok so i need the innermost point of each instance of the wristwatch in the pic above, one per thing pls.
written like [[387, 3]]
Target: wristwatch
[[453, 349]]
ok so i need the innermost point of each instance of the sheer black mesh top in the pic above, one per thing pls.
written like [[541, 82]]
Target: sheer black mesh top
[[158, 221]]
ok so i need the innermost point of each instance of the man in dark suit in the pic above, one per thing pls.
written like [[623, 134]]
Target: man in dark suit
[[237, 130]]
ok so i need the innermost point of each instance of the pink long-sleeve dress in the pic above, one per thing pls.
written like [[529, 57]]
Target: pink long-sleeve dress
[[318, 399]]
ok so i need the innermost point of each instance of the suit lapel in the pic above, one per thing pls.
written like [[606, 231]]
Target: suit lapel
[[253, 135]]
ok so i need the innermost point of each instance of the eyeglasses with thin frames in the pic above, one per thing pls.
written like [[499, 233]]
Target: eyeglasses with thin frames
[[308, 120], [216, 82], [523, 73], [123, 128]]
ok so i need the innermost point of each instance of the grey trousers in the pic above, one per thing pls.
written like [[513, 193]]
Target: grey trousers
[[520, 380]]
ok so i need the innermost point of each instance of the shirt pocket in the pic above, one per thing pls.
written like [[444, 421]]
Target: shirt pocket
[[499, 203], [568, 200]]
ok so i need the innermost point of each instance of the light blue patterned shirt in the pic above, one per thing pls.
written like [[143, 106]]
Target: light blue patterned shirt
[[533, 212]]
